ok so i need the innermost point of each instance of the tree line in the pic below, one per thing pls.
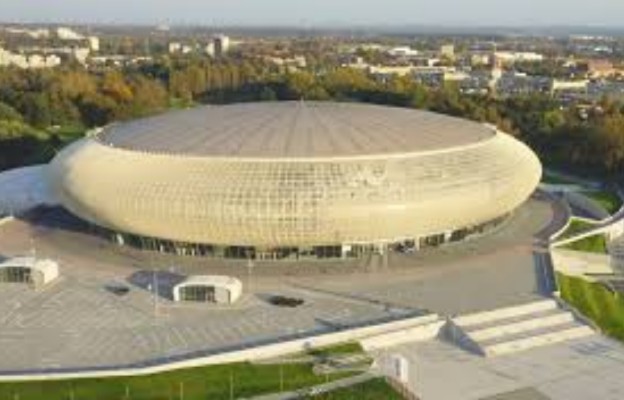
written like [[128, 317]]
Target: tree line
[[43, 110]]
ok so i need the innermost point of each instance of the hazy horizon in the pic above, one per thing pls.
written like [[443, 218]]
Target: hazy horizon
[[307, 13]]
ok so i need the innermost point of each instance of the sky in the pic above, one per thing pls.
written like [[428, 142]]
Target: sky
[[310, 13]]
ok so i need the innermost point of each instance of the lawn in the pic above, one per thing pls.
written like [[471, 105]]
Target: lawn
[[337, 350], [374, 389], [610, 201], [211, 382], [596, 302], [576, 227], [592, 244]]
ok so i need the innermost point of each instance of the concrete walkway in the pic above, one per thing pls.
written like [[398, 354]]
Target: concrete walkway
[[319, 389], [582, 369]]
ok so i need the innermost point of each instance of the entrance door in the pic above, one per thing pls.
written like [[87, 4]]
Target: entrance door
[[15, 275], [198, 293]]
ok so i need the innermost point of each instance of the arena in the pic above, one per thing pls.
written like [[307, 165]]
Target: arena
[[294, 180]]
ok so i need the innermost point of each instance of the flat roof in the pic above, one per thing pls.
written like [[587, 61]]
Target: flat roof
[[211, 280], [294, 129]]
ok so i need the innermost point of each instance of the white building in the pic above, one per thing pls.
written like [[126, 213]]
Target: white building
[[210, 49], [221, 45], [30, 270], [448, 51], [387, 70], [403, 51], [210, 289], [509, 57], [33, 33], [81, 54], [64, 33], [291, 62], [94, 43], [8, 58], [569, 85], [177, 47]]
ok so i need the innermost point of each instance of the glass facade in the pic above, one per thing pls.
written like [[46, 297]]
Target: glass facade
[[198, 293], [15, 275], [295, 253]]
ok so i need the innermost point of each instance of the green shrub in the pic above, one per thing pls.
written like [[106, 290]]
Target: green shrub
[[591, 244], [596, 302]]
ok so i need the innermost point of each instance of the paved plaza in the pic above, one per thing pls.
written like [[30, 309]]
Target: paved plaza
[[582, 369], [77, 322]]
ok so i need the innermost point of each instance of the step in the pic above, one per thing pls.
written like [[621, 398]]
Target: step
[[525, 325], [505, 313], [407, 335], [528, 333], [512, 320], [545, 339]]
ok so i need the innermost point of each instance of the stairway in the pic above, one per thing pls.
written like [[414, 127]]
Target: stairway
[[518, 328]]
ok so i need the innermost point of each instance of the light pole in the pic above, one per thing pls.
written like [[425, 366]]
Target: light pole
[[250, 266], [155, 290]]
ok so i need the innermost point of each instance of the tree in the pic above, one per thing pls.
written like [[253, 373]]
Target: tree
[[114, 86], [8, 113]]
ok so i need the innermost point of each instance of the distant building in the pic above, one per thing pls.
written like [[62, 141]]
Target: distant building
[[568, 85], [64, 33], [80, 54], [119, 60], [509, 57], [210, 49], [24, 61], [447, 51], [175, 47], [479, 59], [292, 63], [33, 33], [221, 45], [94, 43], [495, 74], [390, 70], [7, 58], [403, 51], [600, 68]]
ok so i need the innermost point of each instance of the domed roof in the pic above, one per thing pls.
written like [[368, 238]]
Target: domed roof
[[295, 129]]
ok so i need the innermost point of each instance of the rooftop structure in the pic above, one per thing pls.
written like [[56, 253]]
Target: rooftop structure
[[209, 288], [30, 270]]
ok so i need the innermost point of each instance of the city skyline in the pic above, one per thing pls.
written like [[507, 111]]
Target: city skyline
[[321, 13]]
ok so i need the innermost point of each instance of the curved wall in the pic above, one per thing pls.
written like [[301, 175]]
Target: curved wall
[[294, 202]]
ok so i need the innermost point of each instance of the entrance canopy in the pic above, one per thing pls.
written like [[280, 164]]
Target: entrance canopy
[[208, 288]]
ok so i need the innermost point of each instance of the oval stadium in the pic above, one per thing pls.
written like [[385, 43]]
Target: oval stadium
[[294, 179]]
